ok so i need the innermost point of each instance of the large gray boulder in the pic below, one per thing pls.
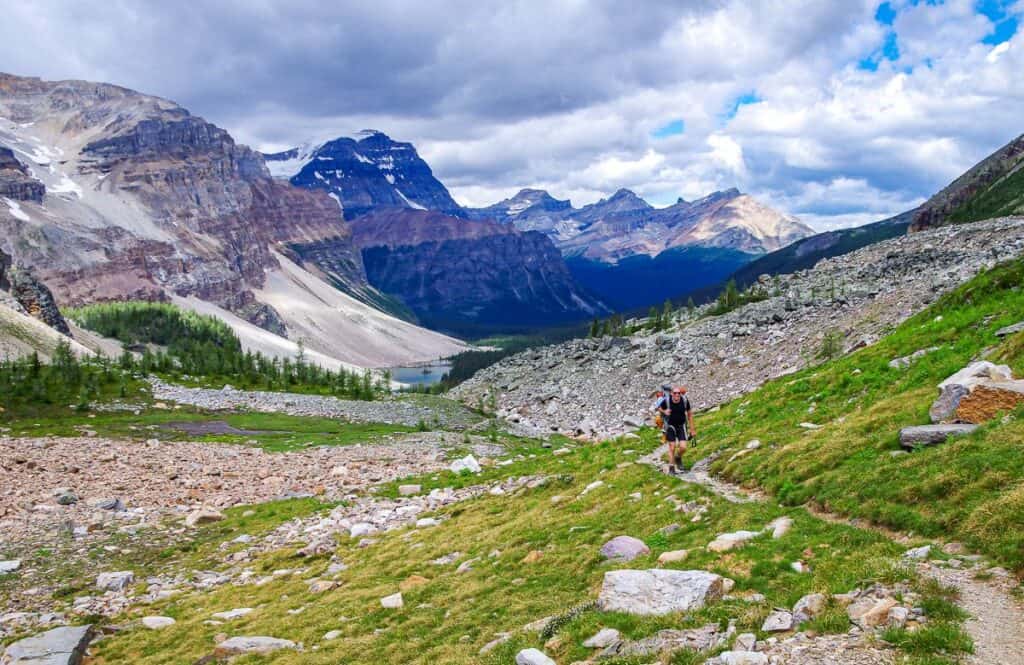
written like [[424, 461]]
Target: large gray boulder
[[960, 385], [658, 591], [624, 548], [1010, 330], [930, 435], [237, 646], [533, 657], [60, 646]]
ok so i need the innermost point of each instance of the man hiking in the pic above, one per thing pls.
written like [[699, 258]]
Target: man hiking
[[678, 416]]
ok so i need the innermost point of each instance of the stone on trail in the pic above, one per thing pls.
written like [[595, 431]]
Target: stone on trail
[[731, 541], [203, 515], [624, 548], [673, 556], [392, 602], [533, 657], [236, 646], [467, 463], [117, 581], [9, 566], [777, 622], [930, 435], [658, 591], [60, 646], [604, 638], [157, 623]]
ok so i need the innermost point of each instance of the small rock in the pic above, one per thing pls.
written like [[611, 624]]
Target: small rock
[[777, 622], [897, 617], [409, 490], [809, 607], [604, 638], [392, 602], [9, 566], [918, 553], [467, 463], [533, 657], [673, 556], [780, 527], [157, 623], [203, 516], [624, 548], [112, 504], [742, 658], [232, 614], [332, 635], [117, 581], [746, 642], [870, 612], [730, 541], [322, 586]]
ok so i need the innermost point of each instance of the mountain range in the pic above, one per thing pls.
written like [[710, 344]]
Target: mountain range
[[609, 247]]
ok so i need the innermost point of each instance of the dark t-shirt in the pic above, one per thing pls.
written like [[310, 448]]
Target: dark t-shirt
[[677, 417]]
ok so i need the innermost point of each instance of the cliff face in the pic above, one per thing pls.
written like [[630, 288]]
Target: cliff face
[[15, 181], [147, 200], [29, 295], [469, 276]]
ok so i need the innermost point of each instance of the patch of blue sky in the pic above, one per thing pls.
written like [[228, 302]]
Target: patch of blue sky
[[1005, 23], [673, 128], [743, 100]]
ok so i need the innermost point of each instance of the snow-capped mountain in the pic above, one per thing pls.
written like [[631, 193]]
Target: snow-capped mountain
[[365, 173]]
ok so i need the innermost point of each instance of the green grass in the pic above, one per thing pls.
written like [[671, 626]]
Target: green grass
[[970, 489], [1001, 198], [272, 431], [449, 618]]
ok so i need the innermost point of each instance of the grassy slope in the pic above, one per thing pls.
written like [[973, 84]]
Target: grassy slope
[[1001, 198], [969, 489], [454, 614]]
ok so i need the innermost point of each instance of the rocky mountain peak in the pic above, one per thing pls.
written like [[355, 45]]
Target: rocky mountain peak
[[364, 173]]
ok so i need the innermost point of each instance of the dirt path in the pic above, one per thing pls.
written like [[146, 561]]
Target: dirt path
[[699, 475], [997, 618], [996, 623]]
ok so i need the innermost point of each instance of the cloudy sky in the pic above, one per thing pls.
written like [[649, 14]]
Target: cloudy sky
[[841, 112]]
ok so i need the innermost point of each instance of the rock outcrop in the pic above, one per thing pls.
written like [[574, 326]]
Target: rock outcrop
[[15, 181], [656, 592], [977, 394], [31, 296], [61, 646]]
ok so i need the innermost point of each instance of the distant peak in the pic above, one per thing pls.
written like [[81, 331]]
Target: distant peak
[[624, 193], [365, 133], [680, 201]]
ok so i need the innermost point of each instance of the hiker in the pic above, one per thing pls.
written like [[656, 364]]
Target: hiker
[[677, 414]]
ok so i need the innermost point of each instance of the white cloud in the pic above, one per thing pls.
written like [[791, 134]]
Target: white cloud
[[565, 95]]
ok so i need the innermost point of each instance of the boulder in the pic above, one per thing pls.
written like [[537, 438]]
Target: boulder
[[604, 638], [61, 646], [9, 566], [533, 657], [777, 622], [731, 541], [467, 463], [117, 581], [657, 592], [666, 642], [237, 646], [624, 548], [987, 401], [809, 607], [157, 623], [409, 490], [954, 389], [929, 435], [870, 612]]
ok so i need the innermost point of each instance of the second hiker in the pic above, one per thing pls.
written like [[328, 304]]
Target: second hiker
[[677, 413]]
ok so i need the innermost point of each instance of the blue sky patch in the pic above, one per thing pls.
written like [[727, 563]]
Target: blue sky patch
[[743, 100], [674, 128], [1005, 23]]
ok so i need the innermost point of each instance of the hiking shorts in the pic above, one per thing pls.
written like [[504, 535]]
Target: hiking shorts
[[672, 434]]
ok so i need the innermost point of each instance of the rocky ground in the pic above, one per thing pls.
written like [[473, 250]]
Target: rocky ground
[[406, 412], [67, 496], [600, 387]]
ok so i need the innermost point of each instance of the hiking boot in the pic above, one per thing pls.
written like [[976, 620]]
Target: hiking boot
[[672, 469]]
